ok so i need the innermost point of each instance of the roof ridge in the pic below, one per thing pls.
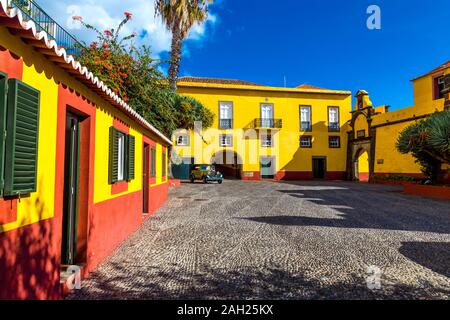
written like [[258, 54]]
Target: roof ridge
[[60, 52]]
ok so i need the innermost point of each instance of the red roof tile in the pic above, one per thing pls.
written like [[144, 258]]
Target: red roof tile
[[307, 86], [218, 81]]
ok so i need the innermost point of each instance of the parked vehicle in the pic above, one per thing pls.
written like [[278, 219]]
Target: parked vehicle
[[206, 173]]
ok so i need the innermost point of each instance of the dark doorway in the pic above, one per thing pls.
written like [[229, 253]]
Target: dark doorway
[[71, 181], [319, 167], [145, 178], [182, 171], [267, 167]]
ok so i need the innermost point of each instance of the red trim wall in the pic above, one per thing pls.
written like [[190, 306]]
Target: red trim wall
[[30, 257], [111, 222], [29, 262], [296, 175], [157, 197], [11, 64]]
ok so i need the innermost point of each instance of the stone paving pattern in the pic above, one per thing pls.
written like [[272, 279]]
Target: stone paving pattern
[[268, 240]]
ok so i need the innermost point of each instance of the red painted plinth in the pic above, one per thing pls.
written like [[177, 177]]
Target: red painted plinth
[[439, 192]]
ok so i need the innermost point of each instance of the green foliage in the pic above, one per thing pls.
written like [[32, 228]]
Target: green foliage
[[179, 16], [395, 178], [428, 141], [133, 75]]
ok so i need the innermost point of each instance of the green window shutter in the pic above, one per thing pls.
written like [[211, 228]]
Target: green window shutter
[[113, 155], [22, 126], [153, 163], [3, 90], [131, 148]]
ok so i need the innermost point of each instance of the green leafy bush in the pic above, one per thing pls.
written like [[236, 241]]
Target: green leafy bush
[[134, 75], [429, 142]]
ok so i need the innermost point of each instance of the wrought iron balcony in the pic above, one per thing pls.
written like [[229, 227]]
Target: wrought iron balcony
[[33, 12], [225, 123], [268, 123], [334, 127]]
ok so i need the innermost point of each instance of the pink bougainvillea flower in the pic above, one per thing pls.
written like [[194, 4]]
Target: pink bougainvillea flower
[[78, 18], [128, 14], [108, 32]]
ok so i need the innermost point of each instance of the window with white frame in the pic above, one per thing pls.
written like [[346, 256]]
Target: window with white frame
[[266, 140], [121, 157], [226, 140], [334, 142], [305, 118], [183, 140], [225, 115], [305, 141], [333, 119]]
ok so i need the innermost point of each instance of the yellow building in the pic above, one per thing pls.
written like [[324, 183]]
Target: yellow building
[[374, 131], [267, 132]]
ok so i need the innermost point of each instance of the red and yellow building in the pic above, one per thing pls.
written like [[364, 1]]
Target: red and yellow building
[[79, 169], [374, 130]]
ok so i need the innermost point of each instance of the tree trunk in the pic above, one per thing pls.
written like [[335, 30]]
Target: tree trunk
[[175, 54]]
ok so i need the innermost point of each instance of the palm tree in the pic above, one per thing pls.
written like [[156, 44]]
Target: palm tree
[[179, 17]]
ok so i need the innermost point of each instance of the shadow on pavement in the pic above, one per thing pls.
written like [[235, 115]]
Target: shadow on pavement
[[365, 207], [432, 255]]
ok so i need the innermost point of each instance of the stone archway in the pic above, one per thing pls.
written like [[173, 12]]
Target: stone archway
[[228, 162], [360, 148]]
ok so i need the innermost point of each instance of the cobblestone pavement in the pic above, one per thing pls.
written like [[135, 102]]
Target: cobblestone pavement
[[267, 240]]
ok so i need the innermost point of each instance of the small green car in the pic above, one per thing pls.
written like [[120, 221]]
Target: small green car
[[206, 173]]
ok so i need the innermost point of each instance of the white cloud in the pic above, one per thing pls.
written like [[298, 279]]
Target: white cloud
[[106, 14]]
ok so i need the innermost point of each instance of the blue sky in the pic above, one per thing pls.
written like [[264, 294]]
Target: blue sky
[[324, 43]]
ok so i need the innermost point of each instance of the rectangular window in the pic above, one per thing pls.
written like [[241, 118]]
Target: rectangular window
[[225, 115], [164, 164], [266, 141], [305, 118], [226, 140], [306, 142], [439, 86], [334, 142], [153, 163], [183, 140], [360, 133], [267, 114], [121, 156], [333, 119]]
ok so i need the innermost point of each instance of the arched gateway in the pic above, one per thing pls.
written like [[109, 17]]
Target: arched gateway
[[361, 141]]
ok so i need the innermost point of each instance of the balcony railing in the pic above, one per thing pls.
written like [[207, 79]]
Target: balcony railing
[[305, 126], [334, 127], [225, 123], [268, 123], [33, 12]]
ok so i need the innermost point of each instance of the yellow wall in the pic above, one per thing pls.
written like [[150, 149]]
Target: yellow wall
[[246, 108], [387, 158], [40, 204]]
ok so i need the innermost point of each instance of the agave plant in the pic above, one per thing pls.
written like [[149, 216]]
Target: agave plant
[[428, 141]]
